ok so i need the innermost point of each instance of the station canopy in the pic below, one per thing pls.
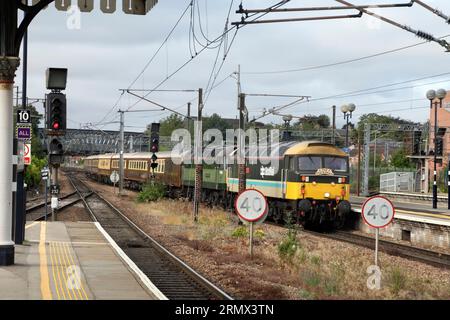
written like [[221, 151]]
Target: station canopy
[[138, 7]]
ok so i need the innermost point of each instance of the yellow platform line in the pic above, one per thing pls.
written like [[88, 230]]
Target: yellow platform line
[[415, 213], [31, 225], [80, 280], [63, 271], [433, 215], [59, 280], [46, 293], [81, 292], [67, 264], [54, 273]]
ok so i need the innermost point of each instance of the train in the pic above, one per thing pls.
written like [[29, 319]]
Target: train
[[311, 186]]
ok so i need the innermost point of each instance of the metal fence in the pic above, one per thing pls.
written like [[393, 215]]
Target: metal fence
[[374, 177], [398, 182]]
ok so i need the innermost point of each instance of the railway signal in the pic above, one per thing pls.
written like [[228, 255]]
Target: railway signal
[[11, 37], [154, 137], [154, 145], [56, 107], [439, 146], [416, 142], [56, 152]]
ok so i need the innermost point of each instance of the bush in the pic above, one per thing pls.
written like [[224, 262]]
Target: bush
[[240, 232], [152, 191], [289, 246], [33, 173]]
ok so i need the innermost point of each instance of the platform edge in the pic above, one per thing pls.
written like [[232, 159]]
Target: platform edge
[[138, 272]]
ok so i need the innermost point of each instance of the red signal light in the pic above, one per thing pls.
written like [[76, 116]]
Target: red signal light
[[55, 125]]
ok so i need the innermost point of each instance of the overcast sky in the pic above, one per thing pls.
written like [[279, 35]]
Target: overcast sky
[[108, 52]]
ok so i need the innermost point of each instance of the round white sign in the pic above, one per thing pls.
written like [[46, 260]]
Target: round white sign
[[251, 205], [114, 177], [378, 212]]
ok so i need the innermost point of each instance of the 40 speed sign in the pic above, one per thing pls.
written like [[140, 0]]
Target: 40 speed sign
[[251, 205], [378, 212]]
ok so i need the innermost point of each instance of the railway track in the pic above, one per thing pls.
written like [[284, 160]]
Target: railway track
[[35, 213], [175, 279], [434, 258]]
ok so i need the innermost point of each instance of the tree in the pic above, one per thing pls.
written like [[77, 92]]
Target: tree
[[399, 159], [215, 122], [169, 124], [323, 121], [376, 118], [311, 122]]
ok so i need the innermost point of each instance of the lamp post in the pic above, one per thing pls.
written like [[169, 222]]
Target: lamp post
[[347, 110], [432, 95], [286, 134]]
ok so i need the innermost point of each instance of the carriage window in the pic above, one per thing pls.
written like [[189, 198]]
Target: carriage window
[[309, 163], [335, 164]]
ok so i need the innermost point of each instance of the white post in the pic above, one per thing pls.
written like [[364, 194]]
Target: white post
[[251, 239], [8, 66], [377, 234], [121, 160]]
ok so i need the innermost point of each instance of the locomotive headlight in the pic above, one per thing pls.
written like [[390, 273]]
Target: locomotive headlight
[[327, 195]]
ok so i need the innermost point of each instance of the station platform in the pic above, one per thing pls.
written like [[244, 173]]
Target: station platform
[[412, 210], [72, 261]]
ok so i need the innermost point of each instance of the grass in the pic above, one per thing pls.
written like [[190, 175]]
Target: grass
[[397, 280], [316, 268], [240, 232]]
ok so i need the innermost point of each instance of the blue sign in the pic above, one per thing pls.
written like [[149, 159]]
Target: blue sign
[[23, 133]]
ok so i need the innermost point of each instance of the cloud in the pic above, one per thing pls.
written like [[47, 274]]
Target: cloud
[[109, 51]]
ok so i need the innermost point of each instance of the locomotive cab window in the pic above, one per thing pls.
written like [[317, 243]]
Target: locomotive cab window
[[335, 163], [310, 163]]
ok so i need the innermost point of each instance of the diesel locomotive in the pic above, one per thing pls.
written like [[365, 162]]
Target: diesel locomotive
[[310, 185]]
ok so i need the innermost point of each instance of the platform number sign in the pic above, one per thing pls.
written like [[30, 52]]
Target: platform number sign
[[23, 117], [378, 212]]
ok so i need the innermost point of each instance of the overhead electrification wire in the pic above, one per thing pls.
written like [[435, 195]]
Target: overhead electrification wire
[[227, 47], [418, 33], [192, 58], [363, 92], [161, 46], [367, 91], [148, 62], [340, 62]]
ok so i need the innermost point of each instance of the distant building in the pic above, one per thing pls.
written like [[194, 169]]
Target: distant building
[[426, 165]]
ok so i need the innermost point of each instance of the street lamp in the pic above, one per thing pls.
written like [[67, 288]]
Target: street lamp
[[347, 110], [287, 119], [286, 134], [432, 95]]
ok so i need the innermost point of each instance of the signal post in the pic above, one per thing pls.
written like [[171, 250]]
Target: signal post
[[11, 35], [55, 124]]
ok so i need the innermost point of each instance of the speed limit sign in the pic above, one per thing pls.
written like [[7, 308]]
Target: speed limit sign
[[378, 212], [251, 205]]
